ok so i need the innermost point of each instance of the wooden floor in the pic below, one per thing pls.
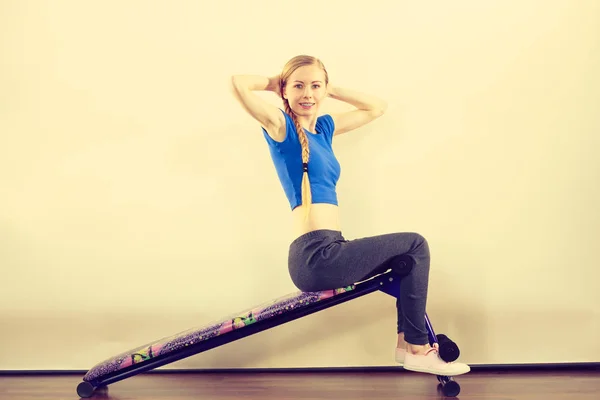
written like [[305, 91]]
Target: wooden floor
[[561, 385]]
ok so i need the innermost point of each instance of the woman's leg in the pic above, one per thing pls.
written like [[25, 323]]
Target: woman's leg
[[324, 260]]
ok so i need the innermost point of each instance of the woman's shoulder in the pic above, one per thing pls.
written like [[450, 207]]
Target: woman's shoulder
[[325, 124]]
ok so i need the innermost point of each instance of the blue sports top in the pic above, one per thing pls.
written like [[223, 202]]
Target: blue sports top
[[323, 167]]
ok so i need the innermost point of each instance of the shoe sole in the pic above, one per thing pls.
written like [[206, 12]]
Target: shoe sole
[[440, 373]]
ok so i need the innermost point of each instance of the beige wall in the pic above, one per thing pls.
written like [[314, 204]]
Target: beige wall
[[139, 200]]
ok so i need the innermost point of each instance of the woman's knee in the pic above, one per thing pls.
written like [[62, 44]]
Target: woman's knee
[[420, 244]]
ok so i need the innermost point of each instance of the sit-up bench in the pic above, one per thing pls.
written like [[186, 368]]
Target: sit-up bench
[[264, 316]]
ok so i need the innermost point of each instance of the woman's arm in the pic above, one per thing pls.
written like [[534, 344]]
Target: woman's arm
[[269, 116], [368, 108]]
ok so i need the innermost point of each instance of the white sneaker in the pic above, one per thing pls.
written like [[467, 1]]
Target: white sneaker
[[400, 354], [431, 363]]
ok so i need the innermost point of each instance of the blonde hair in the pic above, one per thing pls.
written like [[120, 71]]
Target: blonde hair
[[288, 69]]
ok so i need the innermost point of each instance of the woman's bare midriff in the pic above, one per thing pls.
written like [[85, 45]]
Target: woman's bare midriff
[[322, 216]]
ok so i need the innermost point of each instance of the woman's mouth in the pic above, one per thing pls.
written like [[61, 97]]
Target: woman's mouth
[[306, 106]]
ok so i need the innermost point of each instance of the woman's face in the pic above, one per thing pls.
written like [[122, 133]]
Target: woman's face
[[306, 89]]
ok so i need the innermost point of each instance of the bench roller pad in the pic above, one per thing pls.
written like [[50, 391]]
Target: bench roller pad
[[236, 321]]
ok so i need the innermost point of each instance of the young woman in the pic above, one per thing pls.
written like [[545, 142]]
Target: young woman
[[300, 144]]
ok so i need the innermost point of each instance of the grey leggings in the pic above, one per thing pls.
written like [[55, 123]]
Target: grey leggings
[[323, 259]]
